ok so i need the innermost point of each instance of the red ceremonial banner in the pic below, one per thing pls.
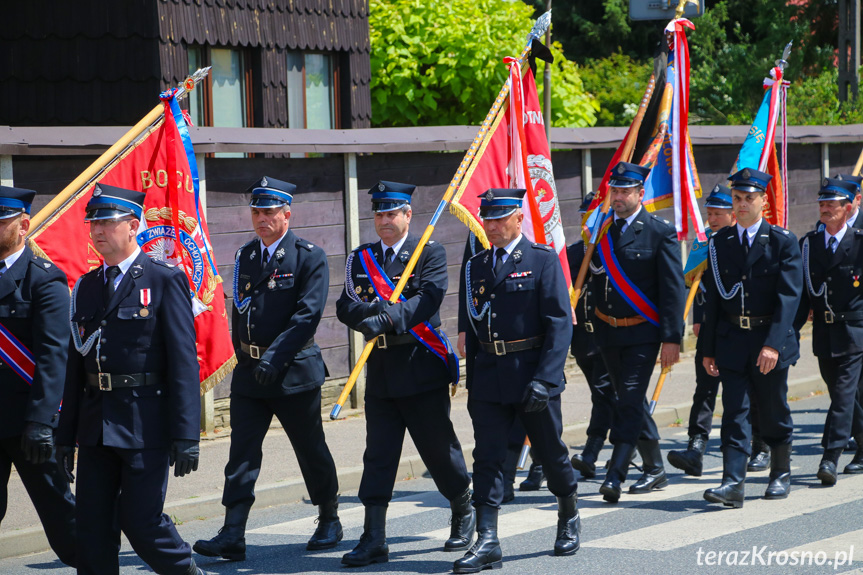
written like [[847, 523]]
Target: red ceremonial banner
[[173, 230], [513, 149]]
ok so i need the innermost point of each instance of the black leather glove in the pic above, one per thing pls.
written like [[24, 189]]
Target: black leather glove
[[371, 327], [66, 461], [37, 442], [184, 456], [377, 307], [266, 373], [535, 397]]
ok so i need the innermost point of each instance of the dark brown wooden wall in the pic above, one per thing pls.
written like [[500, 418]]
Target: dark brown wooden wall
[[318, 208]]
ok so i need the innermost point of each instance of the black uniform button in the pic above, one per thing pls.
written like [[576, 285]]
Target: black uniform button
[[493, 315], [494, 334], [103, 323], [158, 392]]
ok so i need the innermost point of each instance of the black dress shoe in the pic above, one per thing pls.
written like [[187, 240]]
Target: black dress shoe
[[827, 473], [610, 490], [654, 473], [780, 472], [691, 460], [732, 491], [585, 462]]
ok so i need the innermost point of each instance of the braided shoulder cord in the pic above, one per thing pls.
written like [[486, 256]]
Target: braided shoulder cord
[[738, 287], [241, 306], [349, 277], [83, 347], [476, 315], [822, 291]]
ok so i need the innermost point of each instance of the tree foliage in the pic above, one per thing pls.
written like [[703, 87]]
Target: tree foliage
[[734, 45], [438, 62]]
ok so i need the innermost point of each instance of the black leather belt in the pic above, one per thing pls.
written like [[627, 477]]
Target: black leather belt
[[384, 340], [500, 347], [748, 322], [256, 351], [111, 381], [831, 317]]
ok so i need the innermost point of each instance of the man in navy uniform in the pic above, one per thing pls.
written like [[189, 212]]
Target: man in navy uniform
[[409, 371], [832, 268], [517, 342], [754, 281], [280, 290], [642, 256], [853, 220], [719, 216], [589, 360], [535, 475], [132, 397], [34, 309]]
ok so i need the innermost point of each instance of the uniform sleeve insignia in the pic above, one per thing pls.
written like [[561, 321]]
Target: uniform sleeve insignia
[[252, 255], [280, 253]]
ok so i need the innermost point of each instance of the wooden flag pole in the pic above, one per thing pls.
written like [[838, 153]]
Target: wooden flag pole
[[690, 299], [542, 24], [111, 154]]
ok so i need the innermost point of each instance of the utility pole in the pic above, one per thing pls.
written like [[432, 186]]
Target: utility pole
[[546, 83], [849, 49]]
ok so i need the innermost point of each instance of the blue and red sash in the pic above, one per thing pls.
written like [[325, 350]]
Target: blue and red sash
[[16, 355], [630, 292], [424, 332]]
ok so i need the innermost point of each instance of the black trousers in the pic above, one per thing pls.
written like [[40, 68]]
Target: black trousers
[[124, 489], [770, 392], [300, 416], [630, 369], [50, 493], [491, 425], [426, 417], [842, 376], [602, 396]]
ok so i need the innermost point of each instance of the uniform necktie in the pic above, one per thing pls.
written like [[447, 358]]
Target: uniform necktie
[[498, 262], [744, 241], [618, 227], [110, 277], [265, 257], [2, 267], [831, 245], [388, 259]]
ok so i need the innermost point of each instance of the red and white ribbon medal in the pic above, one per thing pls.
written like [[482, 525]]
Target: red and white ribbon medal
[[145, 302]]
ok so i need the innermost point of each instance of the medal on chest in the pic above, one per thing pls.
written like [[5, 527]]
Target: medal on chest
[[144, 298], [272, 283], [856, 280]]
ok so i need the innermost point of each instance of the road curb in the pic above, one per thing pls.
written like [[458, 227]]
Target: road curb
[[33, 540]]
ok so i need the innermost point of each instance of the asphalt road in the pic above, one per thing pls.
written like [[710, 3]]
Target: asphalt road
[[816, 530]]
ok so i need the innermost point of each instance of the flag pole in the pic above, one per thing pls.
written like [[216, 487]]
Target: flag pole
[[625, 156], [690, 299], [112, 153], [542, 24]]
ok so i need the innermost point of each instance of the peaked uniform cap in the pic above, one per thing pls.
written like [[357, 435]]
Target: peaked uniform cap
[[111, 203]]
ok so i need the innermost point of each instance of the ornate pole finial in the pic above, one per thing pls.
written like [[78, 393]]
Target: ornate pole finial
[[783, 62], [542, 24], [189, 83], [681, 7]]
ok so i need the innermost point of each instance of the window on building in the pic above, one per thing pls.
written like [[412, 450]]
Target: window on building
[[312, 91], [224, 100]]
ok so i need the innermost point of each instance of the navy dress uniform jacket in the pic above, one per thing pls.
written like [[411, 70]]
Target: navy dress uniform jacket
[[288, 299], [34, 307], [162, 341], [772, 277], [649, 254], [407, 369], [839, 271], [583, 340], [527, 298]]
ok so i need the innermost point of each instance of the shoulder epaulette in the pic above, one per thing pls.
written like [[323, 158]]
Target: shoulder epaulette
[[776, 228], [42, 263], [363, 247], [541, 247], [658, 219], [162, 263], [244, 246], [479, 253], [306, 245]]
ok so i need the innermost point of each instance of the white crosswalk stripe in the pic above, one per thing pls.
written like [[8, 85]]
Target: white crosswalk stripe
[[755, 513]]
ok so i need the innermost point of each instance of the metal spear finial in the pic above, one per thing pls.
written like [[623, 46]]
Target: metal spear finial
[[542, 24], [783, 62]]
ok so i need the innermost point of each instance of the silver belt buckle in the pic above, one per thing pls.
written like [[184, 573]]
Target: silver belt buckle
[[744, 322], [105, 381], [381, 342], [829, 317], [499, 347], [254, 352], [588, 326]]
